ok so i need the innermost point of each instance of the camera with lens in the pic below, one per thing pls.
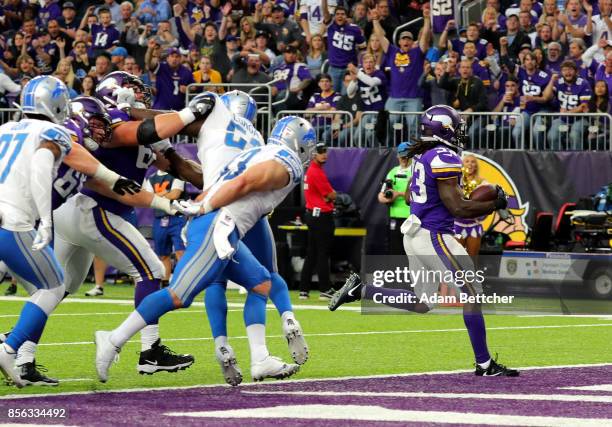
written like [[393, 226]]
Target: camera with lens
[[388, 188]]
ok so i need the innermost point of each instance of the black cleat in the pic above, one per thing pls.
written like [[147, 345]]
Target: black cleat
[[160, 358], [326, 295], [31, 375], [349, 292], [495, 370], [11, 290]]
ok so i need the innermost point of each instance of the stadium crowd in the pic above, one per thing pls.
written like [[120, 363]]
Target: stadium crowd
[[322, 55]]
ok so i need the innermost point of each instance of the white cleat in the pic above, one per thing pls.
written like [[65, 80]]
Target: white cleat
[[295, 340], [273, 367], [106, 354], [229, 366], [96, 291], [7, 367]]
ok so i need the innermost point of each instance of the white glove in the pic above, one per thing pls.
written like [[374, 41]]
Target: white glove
[[125, 96], [223, 228], [187, 207], [163, 204], [44, 235]]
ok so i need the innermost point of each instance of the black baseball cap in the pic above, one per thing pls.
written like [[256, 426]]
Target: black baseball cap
[[68, 5], [321, 148]]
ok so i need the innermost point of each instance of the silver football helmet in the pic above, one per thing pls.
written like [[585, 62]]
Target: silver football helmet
[[46, 96], [241, 104], [297, 134]]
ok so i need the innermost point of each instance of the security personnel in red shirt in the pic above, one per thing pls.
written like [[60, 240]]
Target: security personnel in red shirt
[[320, 197]]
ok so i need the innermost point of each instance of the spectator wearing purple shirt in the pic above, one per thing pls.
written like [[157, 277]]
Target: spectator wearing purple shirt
[[372, 86], [291, 76], [406, 64], [104, 35], [472, 34], [553, 58], [442, 11], [325, 100], [171, 80], [51, 10], [572, 21], [571, 95], [343, 41], [506, 137]]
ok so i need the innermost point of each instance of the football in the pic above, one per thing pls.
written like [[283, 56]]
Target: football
[[484, 193]]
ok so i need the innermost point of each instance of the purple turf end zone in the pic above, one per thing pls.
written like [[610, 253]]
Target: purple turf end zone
[[540, 394]]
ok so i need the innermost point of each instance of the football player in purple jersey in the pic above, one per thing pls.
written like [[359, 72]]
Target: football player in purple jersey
[[436, 199]]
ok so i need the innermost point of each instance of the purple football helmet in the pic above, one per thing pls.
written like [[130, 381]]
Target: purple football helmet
[[105, 91], [95, 123], [444, 124]]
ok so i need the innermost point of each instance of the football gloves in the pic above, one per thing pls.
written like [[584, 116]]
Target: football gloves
[[502, 199]]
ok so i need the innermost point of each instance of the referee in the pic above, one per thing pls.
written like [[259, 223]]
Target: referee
[[320, 197], [392, 194]]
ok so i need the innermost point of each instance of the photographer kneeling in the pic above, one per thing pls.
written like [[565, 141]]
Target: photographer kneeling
[[392, 194]]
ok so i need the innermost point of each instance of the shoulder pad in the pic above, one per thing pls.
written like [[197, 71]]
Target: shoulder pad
[[59, 136]]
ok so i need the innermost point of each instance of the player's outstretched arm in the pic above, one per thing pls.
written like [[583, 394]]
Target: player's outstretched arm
[[452, 197], [82, 161], [41, 181], [265, 176], [191, 130], [142, 199]]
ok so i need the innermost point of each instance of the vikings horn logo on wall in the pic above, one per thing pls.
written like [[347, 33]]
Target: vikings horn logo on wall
[[514, 227]]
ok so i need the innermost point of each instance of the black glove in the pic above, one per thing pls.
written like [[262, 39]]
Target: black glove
[[202, 105], [125, 185], [502, 200]]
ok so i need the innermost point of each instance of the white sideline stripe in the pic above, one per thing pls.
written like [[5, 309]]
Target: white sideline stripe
[[124, 313], [292, 381], [599, 387], [380, 413], [502, 396], [337, 334], [195, 304]]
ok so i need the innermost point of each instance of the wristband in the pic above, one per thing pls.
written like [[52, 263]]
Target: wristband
[[206, 207], [162, 204], [106, 175], [186, 116]]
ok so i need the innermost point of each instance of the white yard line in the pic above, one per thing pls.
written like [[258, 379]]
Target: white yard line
[[337, 334], [291, 381]]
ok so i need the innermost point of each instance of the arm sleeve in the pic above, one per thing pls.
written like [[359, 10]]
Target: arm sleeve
[[351, 88], [41, 179], [369, 80]]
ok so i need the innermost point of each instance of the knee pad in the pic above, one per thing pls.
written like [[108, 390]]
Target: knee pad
[[48, 299]]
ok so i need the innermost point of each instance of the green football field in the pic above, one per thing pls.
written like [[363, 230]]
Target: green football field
[[342, 344]]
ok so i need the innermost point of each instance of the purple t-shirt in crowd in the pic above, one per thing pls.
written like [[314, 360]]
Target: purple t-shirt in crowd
[[289, 73], [51, 10], [570, 95], [600, 74], [482, 73], [442, 11], [438, 163], [375, 96], [168, 83], [319, 120], [406, 68], [342, 42], [481, 46], [512, 107], [104, 38], [532, 85]]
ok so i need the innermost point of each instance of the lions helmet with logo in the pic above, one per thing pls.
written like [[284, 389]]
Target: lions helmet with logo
[[444, 124], [241, 104], [105, 91], [46, 96], [91, 116], [297, 134]]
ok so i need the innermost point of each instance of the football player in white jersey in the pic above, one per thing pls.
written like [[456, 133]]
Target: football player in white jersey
[[260, 240], [251, 185], [38, 140]]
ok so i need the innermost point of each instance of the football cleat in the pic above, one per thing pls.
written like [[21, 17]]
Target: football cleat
[[96, 291], [495, 370], [326, 295], [4, 336], [160, 358], [11, 290], [7, 367], [106, 354], [349, 292], [295, 340], [229, 366], [31, 375], [273, 367]]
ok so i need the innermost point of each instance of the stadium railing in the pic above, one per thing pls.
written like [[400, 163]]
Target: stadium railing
[[328, 125], [470, 11], [571, 132], [7, 114], [406, 26]]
